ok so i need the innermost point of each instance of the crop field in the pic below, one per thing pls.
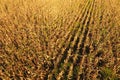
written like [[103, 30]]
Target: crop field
[[59, 39]]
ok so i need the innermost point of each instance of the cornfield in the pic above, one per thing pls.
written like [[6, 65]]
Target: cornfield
[[59, 39]]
